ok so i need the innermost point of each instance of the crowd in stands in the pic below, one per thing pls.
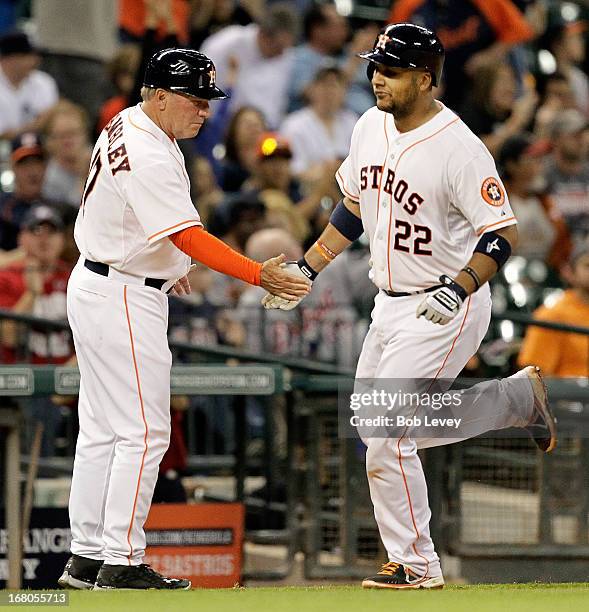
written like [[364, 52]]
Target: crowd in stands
[[262, 170]]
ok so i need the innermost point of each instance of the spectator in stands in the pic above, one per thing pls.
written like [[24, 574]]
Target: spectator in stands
[[567, 171], [160, 23], [325, 34], [274, 331], [234, 221], [272, 167], [206, 316], [282, 213], [230, 331], [66, 138], [122, 70], [272, 175], [322, 131], [28, 164], [475, 33], [165, 16], [36, 285], [264, 59], [77, 38], [337, 315], [348, 285], [191, 315], [561, 353], [492, 110], [26, 93], [542, 232], [566, 41], [556, 95], [209, 143], [236, 218], [241, 147], [206, 193], [332, 319], [210, 16]]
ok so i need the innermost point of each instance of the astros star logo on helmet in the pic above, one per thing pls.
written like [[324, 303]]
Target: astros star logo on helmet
[[383, 39]]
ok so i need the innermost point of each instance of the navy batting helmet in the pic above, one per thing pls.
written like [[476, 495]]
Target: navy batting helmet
[[184, 71], [407, 46]]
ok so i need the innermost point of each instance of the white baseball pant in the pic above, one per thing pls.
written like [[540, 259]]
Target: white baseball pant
[[400, 346], [119, 330]]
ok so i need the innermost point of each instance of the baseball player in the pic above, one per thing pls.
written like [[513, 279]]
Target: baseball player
[[426, 192], [137, 230]]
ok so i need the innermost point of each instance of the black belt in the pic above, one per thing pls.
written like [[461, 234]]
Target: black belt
[[102, 269], [408, 293]]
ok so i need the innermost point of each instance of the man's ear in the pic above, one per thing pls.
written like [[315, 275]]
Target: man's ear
[[161, 96], [425, 82]]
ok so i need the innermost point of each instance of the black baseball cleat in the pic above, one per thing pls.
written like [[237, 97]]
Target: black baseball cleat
[[136, 577], [79, 573], [542, 427], [396, 576]]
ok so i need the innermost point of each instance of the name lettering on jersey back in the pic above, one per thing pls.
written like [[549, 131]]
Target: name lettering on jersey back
[[117, 152], [371, 178]]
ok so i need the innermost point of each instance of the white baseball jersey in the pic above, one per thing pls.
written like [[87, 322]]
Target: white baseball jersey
[[425, 196], [137, 193]]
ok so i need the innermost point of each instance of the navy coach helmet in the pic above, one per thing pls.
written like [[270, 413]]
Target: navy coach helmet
[[407, 46], [183, 71]]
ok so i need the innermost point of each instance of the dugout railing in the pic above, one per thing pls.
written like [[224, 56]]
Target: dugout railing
[[264, 382], [495, 504], [493, 501], [274, 504]]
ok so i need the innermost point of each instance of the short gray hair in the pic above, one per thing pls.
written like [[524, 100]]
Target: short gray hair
[[147, 93], [280, 17]]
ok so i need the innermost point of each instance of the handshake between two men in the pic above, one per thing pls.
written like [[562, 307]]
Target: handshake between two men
[[438, 304], [271, 301], [440, 307]]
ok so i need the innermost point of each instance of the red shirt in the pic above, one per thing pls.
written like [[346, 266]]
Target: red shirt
[[113, 106], [55, 347]]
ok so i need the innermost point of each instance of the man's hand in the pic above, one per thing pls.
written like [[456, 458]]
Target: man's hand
[[271, 302], [283, 280], [33, 276], [524, 108], [442, 305], [363, 39], [181, 287]]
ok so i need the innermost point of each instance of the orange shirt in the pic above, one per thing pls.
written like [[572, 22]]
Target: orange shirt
[[559, 353], [132, 18], [110, 108], [507, 21]]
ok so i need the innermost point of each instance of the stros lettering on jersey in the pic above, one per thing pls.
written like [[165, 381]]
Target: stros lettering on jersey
[[425, 196], [137, 193]]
